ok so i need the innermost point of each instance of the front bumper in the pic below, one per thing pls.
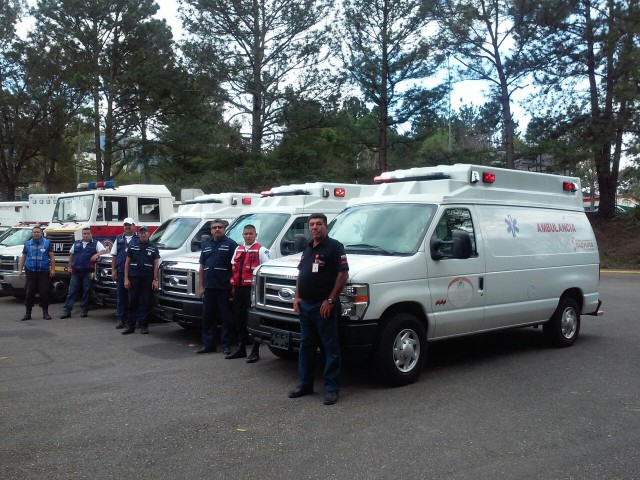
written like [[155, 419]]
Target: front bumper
[[104, 295], [269, 328], [184, 312], [12, 283]]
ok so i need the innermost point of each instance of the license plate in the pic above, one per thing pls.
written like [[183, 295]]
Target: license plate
[[280, 339]]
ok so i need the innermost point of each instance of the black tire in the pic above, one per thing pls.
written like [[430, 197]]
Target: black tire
[[564, 326], [402, 350], [58, 291], [281, 353]]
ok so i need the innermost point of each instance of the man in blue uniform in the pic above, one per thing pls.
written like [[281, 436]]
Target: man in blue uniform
[[141, 278], [37, 258], [215, 287], [82, 258], [322, 274], [118, 259]]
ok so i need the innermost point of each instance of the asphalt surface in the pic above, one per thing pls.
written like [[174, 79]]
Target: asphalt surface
[[79, 400]]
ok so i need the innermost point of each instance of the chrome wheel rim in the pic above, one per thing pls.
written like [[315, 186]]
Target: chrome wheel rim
[[569, 323], [406, 350]]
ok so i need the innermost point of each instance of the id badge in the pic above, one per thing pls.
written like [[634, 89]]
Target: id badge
[[315, 265]]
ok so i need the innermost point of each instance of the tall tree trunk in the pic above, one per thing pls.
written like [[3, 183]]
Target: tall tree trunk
[[257, 114], [384, 96], [96, 131]]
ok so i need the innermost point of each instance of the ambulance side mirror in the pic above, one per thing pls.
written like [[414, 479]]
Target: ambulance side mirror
[[461, 244], [458, 247], [204, 239]]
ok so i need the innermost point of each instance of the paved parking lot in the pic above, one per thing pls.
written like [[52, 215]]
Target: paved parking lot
[[79, 400]]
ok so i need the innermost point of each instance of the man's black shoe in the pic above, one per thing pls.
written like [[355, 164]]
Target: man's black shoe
[[226, 351], [84, 314], [128, 331], [253, 358], [26, 316], [65, 315], [144, 331], [300, 392], [239, 353], [207, 350], [120, 324], [330, 398]]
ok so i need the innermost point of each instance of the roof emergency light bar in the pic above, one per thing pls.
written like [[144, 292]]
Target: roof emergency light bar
[[283, 192], [209, 200], [96, 185], [392, 177]]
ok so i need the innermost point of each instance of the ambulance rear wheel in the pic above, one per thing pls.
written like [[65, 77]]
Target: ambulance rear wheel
[[563, 327], [402, 350]]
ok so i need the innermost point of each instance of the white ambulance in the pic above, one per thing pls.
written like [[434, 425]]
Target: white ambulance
[[447, 251], [280, 218], [180, 234]]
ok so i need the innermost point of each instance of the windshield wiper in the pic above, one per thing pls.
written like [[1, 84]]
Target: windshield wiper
[[366, 246]]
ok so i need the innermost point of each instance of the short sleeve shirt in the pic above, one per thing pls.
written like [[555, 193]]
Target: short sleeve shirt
[[316, 282]]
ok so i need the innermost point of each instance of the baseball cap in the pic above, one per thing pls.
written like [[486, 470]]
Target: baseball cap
[[143, 227], [128, 220]]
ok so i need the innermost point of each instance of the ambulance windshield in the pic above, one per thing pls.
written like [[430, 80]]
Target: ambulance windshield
[[387, 229], [73, 209]]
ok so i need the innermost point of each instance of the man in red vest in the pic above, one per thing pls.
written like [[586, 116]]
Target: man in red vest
[[245, 260]]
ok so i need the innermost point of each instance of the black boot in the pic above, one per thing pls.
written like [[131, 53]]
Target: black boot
[[27, 315], [45, 313], [255, 354], [241, 352]]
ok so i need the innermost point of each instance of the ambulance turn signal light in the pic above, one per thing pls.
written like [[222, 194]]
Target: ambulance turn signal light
[[339, 192], [569, 186], [246, 201]]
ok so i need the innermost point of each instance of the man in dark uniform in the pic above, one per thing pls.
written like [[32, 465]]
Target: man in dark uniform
[[82, 258], [215, 287], [323, 273], [38, 260], [118, 259], [141, 278]]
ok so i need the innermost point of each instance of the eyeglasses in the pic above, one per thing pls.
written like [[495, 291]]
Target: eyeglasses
[[217, 228]]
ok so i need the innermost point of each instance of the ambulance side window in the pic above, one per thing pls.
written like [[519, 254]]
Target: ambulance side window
[[196, 243], [112, 209], [296, 237], [455, 219], [148, 210]]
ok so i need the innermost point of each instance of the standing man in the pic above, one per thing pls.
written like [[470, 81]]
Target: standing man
[[82, 258], [118, 259], [245, 260], [323, 273], [37, 258], [215, 287], [141, 279]]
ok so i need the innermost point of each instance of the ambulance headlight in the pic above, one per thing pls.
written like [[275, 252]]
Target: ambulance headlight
[[355, 300], [253, 287]]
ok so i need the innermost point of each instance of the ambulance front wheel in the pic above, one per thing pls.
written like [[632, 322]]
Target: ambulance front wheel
[[563, 327], [402, 349], [58, 291]]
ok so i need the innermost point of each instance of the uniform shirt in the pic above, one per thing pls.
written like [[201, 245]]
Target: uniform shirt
[[216, 258], [330, 258], [142, 255], [114, 249]]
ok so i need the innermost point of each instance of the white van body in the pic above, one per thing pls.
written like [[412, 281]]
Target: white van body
[[531, 259], [280, 218], [179, 235]]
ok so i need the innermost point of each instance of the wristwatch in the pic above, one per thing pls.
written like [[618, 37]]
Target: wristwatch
[[330, 301]]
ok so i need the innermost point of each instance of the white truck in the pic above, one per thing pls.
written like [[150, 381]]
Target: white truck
[[280, 218], [12, 213], [102, 207], [442, 252], [180, 234]]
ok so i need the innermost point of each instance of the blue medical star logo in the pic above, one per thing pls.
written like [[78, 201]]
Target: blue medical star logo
[[511, 225]]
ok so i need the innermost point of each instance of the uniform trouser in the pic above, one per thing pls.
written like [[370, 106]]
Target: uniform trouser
[[37, 282], [140, 300], [241, 304], [315, 330], [216, 310], [122, 298], [79, 280]]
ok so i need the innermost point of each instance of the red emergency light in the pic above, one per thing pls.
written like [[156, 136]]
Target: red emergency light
[[488, 177], [339, 192], [569, 186], [246, 201]]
